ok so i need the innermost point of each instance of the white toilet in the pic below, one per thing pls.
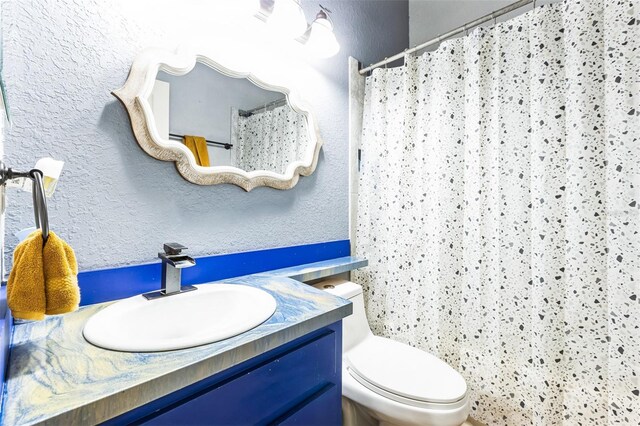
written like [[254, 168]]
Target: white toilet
[[389, 383]]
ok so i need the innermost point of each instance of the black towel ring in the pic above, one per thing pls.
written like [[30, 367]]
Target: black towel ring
[[39, 197], [40, 203]]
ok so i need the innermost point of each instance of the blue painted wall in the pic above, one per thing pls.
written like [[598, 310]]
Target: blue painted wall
[[104, 285], [115, 204]]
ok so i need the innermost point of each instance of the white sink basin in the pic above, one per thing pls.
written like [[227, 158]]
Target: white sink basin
[[212, 313]]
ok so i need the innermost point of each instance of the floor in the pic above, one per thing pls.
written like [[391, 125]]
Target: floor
[[471, 422]]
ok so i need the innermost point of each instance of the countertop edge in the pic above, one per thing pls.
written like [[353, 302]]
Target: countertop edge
[[318, 273]]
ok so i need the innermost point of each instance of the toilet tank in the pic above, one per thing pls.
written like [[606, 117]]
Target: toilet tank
[[355, 327]]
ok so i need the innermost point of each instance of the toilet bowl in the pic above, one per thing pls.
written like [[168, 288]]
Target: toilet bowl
[[390, 383]]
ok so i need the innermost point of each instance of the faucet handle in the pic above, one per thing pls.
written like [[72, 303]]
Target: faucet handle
[[173, 248]]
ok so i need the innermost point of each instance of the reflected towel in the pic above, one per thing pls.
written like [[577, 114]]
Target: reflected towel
[[198, 145], [43, 280]]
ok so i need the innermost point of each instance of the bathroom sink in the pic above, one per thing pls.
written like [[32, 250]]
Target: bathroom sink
[[212, 313]]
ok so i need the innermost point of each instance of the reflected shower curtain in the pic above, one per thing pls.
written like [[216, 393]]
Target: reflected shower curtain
[[498, 208], [269, 140]]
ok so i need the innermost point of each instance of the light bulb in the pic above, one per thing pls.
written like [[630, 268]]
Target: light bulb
[[322, 41], [287, 19], [246, 7]]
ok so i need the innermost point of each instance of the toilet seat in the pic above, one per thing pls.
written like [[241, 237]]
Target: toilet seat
[[405, 374]]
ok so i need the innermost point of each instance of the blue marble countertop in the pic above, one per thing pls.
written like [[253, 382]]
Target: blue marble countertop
[[56, 376]]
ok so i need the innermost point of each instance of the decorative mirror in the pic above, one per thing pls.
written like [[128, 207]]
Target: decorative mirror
[[220, 120]]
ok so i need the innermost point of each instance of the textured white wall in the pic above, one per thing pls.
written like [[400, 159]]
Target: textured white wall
[[115, 204]]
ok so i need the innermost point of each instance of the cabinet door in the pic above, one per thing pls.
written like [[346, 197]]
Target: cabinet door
[[268, 392]]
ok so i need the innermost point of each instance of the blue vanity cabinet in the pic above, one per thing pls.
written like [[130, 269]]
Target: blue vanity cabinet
[[298, 383]]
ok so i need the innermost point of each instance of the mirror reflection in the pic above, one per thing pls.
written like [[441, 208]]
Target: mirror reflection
[[228, 121]]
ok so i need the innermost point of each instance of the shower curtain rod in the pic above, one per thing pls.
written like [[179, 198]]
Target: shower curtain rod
[[224, 145], [250, 112], [493, 15]]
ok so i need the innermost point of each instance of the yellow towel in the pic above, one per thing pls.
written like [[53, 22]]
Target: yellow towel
[[43, 279], [198, 145], [60, 276], [25, 290]]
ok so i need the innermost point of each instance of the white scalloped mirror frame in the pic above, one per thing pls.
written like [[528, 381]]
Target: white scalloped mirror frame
[[135, 93]]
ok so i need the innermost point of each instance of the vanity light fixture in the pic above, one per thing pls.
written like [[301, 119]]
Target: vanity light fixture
[[321, 40], [287, 18]]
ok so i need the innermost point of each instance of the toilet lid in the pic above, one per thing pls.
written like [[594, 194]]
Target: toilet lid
[[405, 371]]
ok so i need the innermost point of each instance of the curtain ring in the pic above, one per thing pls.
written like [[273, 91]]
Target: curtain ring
[[385, 63]]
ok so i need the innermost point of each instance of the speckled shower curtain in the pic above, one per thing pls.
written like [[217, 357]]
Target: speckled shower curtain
[[269, 140], [498, 208]]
